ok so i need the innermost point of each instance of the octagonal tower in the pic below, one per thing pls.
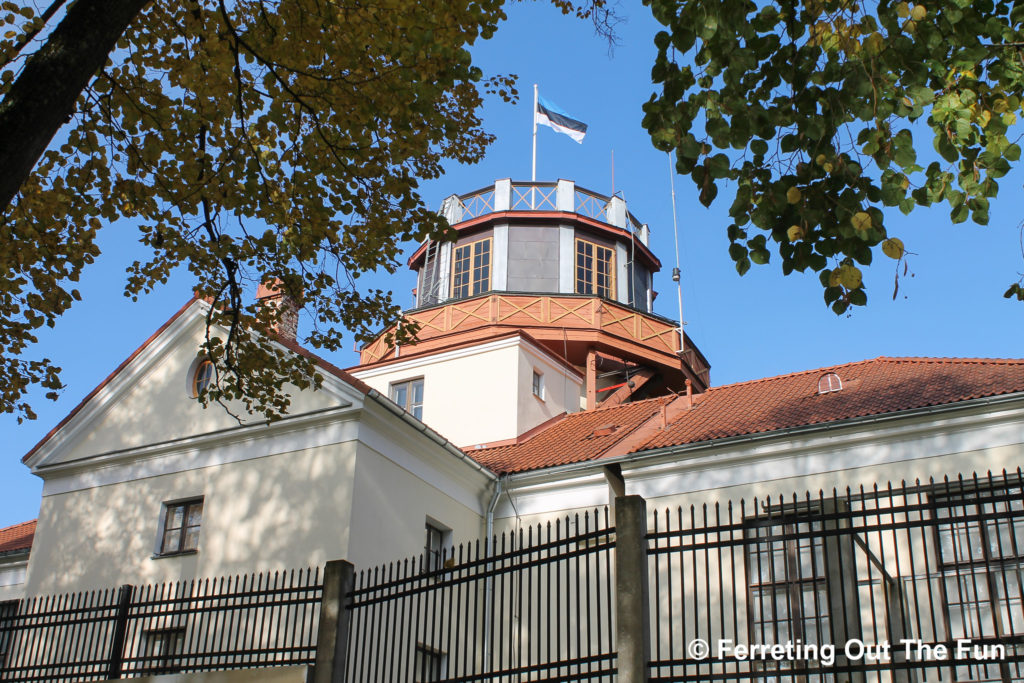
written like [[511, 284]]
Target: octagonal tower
[[543, 304]]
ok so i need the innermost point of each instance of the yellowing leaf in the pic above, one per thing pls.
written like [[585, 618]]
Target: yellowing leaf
[[861, 221], [850, 276], [918, 13], [874, 43], [893, 248], [793, 195], [795, 233]]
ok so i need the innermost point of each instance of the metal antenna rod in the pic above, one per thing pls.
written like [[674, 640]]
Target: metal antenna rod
[[675, 271]]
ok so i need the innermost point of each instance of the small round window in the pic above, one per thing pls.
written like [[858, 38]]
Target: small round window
[[202, 378]]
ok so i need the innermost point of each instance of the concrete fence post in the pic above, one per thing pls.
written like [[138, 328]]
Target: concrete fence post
[[335, 618], [632, 609]]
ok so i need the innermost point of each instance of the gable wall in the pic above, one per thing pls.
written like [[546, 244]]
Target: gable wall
[[150, 401]]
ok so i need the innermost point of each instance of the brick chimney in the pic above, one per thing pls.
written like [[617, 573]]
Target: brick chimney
[[271, 293]]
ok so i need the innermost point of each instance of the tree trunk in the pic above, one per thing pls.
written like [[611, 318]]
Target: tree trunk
[[43, 97]]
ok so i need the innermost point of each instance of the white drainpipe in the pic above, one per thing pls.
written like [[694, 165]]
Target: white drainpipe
[[489, 581]]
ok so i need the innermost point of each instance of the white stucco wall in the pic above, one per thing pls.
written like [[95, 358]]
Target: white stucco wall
[[364, 496], [483, 393], [562, 389], [390, 510], [945, 443], [282, 511]]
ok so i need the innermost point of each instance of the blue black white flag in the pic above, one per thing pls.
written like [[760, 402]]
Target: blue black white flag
[[548, 114]]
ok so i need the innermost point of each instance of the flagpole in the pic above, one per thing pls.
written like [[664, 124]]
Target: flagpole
[[533, 173]]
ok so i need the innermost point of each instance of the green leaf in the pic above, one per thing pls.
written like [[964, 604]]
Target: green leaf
[[945, 148]]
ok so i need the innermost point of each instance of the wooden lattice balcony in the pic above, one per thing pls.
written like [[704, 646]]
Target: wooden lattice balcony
[[567, 324]]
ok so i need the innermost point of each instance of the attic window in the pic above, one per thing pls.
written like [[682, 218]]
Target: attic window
[[829, 382], [202, 377]]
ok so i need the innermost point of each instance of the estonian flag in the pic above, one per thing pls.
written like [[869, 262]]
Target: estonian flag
[[550, 115]]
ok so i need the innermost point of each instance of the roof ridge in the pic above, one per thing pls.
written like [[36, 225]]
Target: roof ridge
[[624, 405], [797, 373], [969, 360], [19, 524], [878, 359]]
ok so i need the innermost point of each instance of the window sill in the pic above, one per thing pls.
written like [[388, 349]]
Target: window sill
[[180, 553], [539, 398]]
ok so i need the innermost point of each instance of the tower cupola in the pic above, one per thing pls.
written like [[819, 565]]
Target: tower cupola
[[549, 266]]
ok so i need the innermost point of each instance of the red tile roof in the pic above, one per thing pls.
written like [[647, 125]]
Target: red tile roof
[[577, 437], [872, 387], [17, 538]]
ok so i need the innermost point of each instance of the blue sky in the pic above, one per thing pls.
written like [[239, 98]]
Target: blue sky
[[759, 325]]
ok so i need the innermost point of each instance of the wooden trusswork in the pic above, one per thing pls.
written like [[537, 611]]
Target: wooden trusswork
[[566, 324]]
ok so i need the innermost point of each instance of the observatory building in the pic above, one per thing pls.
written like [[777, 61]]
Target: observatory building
[[541, 306]]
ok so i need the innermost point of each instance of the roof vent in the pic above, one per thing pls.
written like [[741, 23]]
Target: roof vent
[[829, 382], [605, 430]]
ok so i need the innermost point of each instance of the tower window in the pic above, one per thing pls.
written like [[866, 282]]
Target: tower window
[[409, 396], [595, 268], [538, 385], [471, 269]]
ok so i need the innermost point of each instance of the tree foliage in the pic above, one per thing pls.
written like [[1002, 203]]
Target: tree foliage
[[811, 109], [249, 141]]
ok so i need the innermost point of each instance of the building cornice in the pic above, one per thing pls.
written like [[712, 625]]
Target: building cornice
[[908, 426], [506, 340], [235, 444]]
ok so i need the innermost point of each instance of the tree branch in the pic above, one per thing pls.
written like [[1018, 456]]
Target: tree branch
[[43, 97]]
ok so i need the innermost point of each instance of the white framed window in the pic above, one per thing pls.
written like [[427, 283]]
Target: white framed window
[[471, 269], [179, 527], [161, 649], [980, 552], [796, 574], [538, 384], [437, 546], [430, 665], [409, 396], [433, 548]]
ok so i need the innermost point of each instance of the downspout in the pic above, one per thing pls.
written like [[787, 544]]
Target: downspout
[[489, 581]]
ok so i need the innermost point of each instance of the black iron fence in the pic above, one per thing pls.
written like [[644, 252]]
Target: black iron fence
[[907, 583], [536, 605], [901, 584], [241, 622]]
